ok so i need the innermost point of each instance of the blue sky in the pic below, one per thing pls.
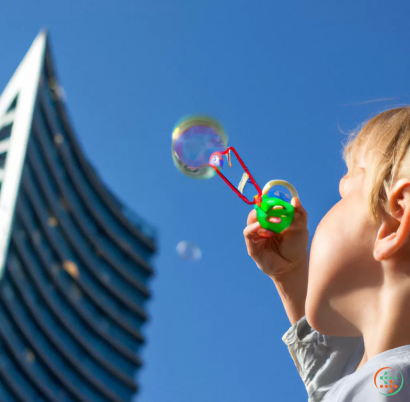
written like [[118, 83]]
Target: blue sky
[[285, 79]]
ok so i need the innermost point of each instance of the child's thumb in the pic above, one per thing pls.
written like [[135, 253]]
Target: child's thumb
[[295, 202]]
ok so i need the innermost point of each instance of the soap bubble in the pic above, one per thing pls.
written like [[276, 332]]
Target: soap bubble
[[194, 141], [189, 251]]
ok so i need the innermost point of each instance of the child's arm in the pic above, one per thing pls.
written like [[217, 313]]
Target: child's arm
[[283, 257], [321, 360], [292, 288]]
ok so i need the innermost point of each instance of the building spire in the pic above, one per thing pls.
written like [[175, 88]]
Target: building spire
[[16, 114]]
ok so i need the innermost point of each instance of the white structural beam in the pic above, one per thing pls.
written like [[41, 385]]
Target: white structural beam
[[24, 84], [4, 145], [6, 119]]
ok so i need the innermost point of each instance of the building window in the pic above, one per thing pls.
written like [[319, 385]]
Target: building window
[[75, 292], [55, 269], [8, 292], [105, 277], [30, 356], [36, 237], [58, 139], [64, 204], [71, 268], [52, 221]]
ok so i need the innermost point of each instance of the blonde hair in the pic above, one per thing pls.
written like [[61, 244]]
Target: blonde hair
[[386, 139]]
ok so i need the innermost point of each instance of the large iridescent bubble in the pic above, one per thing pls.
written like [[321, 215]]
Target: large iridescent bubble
[[194, 140]]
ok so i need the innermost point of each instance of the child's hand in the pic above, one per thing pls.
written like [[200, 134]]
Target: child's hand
[[278, 253]]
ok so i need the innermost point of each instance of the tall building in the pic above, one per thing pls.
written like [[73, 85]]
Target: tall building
[[75, 263]]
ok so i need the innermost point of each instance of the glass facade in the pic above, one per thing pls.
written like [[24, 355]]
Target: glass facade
[[77, 269]]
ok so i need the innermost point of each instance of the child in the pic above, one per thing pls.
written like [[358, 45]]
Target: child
[[350, 334]]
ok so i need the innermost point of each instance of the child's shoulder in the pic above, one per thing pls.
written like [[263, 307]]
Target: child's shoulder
[[384, 375]]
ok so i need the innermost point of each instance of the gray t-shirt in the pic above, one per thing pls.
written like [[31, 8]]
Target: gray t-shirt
[[327, 366]]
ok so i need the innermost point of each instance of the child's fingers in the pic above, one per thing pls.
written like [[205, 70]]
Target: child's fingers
[[298, 206], [254, 231], [300, 218], [251, 230], [300, 212], [266, 233]]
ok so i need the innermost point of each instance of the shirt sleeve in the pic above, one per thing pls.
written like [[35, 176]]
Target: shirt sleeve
[[321, 360]]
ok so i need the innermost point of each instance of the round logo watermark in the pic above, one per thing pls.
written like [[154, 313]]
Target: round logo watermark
[[388, 382]]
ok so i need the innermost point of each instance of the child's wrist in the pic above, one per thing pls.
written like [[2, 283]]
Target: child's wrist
[[293, 272], [292, 289]]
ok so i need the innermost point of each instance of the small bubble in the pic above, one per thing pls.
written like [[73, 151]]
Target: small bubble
[[395, 378], [189, 251]]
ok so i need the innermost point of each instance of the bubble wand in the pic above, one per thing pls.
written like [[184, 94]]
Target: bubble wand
[[198, 147]]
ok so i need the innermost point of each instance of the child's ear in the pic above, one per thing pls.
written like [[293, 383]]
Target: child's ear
[[394, 232]]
